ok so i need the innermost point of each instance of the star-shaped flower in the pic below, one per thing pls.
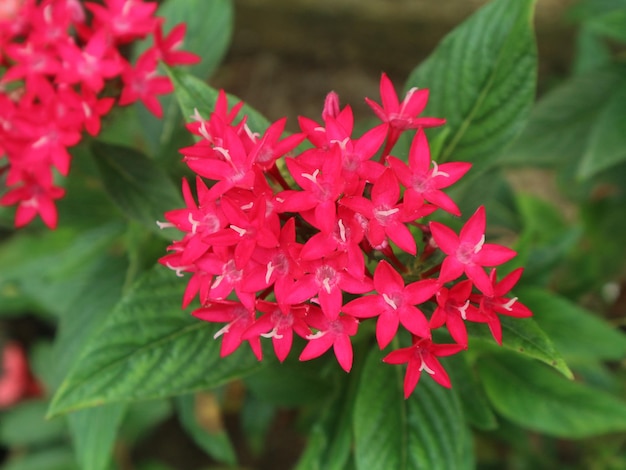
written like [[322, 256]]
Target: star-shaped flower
[[490, 306], [401, 116], [422, 355], [330, 333], [468, 252], [394, 303], [423, 182]]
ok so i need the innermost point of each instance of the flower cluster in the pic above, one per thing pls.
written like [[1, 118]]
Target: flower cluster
[[16, 380], [58, 56], [311, 243]]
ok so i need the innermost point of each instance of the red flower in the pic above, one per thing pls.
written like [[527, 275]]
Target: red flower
[[384, 215], [238, 317], [330, 333], [16, 380], [278, 322], [321, 187], [453, 309], [422, 181], [91, 64], [422, 355], [468, 251], [124, 20], [34, 199], [167, 48], [141, 82], [492, 305], [394, 303], [246, 231], [401, 116]]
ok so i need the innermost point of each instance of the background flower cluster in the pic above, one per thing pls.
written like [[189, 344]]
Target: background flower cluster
[[64, 68]]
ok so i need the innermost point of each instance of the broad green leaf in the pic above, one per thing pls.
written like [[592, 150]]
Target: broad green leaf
[[25, 425], [200, 417], [611, 24], [93, 303], [545, 240], [93, 434], [560, 124], [602, 259], [537, 398], [257, 417], [471, 394], [122, 127], [576, 332], [330, 444], [585, 9], [521, 335], [142, 418], [541, 218], [482, 80], [427, 431], [56, 458], [148, 348], [316, 443], [289, 384], [85, 204], [591, 52], [492, 190], [607, 143], [140, 188], [209, 29], [49, 268], [194, 94]]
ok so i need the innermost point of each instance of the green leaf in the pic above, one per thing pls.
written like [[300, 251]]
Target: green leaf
[[194, 94], [93, 434], [482, 80], [141, 189], [49, 268], [492, 190], [209, 29], [536, 398], [560, 125], [82, 318], [289, 384], [85, 204], [591, 52], [330, 443], [57, 458], [24, 425], [607, 143], [611, 24], [257, 417], [148, 348], [142, 418], [576, 332], [521, 335], [427, 431], [471, 394], [545, 240], [209, 434]]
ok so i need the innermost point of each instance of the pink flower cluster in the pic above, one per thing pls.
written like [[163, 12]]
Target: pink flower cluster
[[58, 60], [16, 379], [279, 245]]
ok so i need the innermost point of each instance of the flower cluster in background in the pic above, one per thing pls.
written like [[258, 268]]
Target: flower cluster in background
[[16, 379], [62, 70], [311, 243]]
